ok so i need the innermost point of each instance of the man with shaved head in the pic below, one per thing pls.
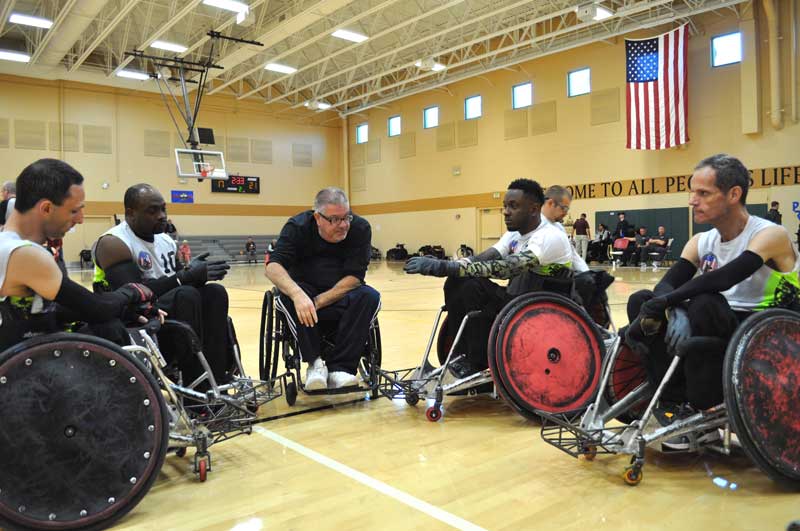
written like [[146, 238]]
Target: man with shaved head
[[138, 250]]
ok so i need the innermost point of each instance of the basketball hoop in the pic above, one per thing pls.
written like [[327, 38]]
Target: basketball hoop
[[206, 169]]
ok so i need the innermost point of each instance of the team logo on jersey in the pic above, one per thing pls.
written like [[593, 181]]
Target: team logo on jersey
[[512, 247], [145, 261], [708, 263]]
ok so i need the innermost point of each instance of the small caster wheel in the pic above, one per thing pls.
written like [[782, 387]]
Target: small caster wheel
[[633, 476], [181, 452], [202, 470], [589, 452], [412, 399], [291, 393], [434, 413]]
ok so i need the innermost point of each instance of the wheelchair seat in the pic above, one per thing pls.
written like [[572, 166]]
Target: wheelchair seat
[[278, 339]]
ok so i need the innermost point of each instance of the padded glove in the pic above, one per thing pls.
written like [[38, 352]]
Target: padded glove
[[430, 266], [140, 301], [678, 329], [200, 271], [654, 308]]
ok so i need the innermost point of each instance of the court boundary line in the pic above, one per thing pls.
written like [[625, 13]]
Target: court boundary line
[[384, 488]]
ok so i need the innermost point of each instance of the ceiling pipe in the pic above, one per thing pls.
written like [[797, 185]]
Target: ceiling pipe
[[77, 16], [776, 112]]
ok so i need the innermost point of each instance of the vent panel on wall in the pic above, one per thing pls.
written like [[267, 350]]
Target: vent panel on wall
[[4, 134], [156, 143], [238, 149], [261, 151], [70, 136], [516, 123], [467, 133], [358, 179], [358, 155], [408, 145], [445, 136], [301, 155], [543, 118], [374, 151], [96, 139], [605, 106], [30, 134]]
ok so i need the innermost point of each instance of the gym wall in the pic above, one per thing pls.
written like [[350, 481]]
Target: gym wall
[[122, 137], [432, 165]]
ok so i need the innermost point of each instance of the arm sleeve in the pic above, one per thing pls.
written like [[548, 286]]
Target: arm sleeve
[[125, 272], [677, 275], [357, 260], [505, 268], [87, 306], [718, 280], [285, 252]]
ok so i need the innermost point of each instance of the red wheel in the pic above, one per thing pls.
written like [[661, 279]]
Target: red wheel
[[434, 413], [202, 470], [627, 373], [632, 476]]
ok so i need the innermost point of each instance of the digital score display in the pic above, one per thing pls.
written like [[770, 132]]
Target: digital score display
[[237, 184]]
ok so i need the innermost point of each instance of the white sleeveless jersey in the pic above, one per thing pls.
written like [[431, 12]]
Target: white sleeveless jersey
[[154, 259], [762, 289], [10, 242]]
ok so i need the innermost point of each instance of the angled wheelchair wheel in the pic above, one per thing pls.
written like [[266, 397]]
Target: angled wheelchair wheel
[[267, 366], [545, 353], [373, 358], [761, 379], [85, 431], [627, 373], [444, 342]]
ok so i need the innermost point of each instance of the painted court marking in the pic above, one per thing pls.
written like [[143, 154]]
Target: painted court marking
[[403, 497]]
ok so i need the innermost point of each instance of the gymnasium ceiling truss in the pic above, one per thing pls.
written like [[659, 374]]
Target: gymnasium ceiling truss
[[412, 46]]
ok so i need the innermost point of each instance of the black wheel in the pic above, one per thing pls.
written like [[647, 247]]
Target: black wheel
[[85, 433], [761, 376], [412, 399], [374, 358], [444, 342], [181, 452], [267, 368], [291, 393]]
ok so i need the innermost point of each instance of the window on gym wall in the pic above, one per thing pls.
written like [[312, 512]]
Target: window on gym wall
[[430, 117], [362, 133], [473, 107], [726, 49], [579, 82], [394, 125], [522, 95]]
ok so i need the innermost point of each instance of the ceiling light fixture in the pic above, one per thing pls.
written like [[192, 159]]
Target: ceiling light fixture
[[349, 35], [169, 46], [277, 67], [28, 20], [133, 74], [15, 56], [317, 105], [230, 5], [603, 13], [429, 64]]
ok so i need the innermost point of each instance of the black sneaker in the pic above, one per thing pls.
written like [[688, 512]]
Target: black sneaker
[[462, 368]]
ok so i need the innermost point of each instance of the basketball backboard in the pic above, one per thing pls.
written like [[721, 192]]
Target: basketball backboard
[[200, 164]]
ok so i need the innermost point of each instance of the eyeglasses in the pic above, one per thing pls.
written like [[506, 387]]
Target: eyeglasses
[[336, 220], [565, 208]]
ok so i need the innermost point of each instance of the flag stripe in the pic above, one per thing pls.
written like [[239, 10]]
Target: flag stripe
[[657, 95]]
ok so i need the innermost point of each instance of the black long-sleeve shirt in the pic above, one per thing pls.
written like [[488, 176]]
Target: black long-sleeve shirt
[[308, 258]]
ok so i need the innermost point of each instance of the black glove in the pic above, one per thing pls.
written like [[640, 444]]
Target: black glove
[[200, 271], [140, 300], [678, 329], [654, 308], [430, 266]]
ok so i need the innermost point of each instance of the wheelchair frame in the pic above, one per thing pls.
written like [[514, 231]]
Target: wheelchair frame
[[587, 433], [275, 342]]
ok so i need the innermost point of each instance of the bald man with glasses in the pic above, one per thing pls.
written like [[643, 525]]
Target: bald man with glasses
[[318, 265]]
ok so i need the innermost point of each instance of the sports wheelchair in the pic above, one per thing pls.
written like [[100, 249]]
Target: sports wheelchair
[[544, 353], [278, 339], [87, 424], [761, 378]]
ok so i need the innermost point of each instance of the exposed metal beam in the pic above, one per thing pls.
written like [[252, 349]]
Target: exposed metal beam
[[305, 43], [222, 27], [352, 47], [695, 9], [174, 19], [5, 12], [121, 14]]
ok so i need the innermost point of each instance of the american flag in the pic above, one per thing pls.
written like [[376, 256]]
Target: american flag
[[656, 91]]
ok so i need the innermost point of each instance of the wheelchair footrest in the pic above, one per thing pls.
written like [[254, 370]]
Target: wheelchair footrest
[[564, 432], [401, 383]]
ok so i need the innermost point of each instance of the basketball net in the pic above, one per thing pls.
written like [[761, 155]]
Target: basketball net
[[206, 169]]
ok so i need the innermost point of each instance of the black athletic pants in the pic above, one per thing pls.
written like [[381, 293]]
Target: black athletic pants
[[463, 295], [205, 309], [352, 314], [698, 378]]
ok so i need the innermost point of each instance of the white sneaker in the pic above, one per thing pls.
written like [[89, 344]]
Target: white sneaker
[[338, 379], [316, 375]]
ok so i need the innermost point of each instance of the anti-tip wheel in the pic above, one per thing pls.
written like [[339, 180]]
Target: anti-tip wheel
[[633, 476], [412, 399], [434, 413], [202, 470]]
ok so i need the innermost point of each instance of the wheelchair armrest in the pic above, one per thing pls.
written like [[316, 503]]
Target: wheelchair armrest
[[152, 327]]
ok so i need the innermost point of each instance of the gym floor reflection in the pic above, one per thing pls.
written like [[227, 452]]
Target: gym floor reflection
[[381, 465]]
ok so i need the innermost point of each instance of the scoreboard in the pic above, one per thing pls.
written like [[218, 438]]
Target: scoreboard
[[237, 184]]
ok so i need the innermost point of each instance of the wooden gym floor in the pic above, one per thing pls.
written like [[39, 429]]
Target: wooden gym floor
[[381, 465]]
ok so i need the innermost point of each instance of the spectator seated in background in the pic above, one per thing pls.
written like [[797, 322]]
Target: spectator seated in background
[[774, 215], [250, 250], [185, 254], [656, 244], [598, 247], [637, 246]]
